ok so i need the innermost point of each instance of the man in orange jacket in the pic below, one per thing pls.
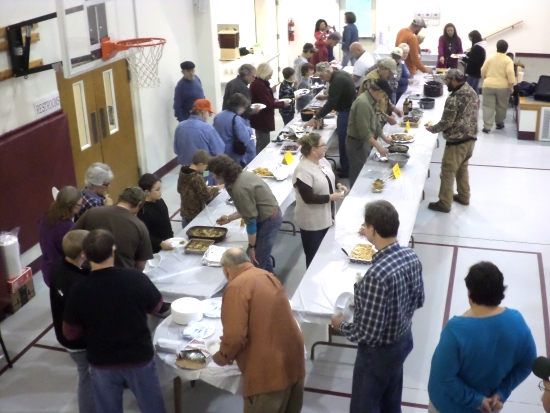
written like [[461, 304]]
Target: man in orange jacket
[[408, 35]]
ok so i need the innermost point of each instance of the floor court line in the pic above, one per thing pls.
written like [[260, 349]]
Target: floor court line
[[348, 395], [481, 239], [502, 166], [541, 280]]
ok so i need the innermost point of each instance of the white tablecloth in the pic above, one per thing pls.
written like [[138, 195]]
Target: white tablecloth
[[182, 275], [330, 273], [227, 378]]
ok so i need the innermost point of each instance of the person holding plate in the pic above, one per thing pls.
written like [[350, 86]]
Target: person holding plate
[[255, 204], [449, 45], [385, 301], [315, 186]]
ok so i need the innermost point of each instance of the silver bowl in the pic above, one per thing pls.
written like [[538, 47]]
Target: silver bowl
[[398, 158]]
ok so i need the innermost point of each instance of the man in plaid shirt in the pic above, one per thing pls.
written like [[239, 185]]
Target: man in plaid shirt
[[385, 301]]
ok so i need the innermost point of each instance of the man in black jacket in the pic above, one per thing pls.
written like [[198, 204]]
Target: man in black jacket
[[66, 273], [247, 72], [109, 308]]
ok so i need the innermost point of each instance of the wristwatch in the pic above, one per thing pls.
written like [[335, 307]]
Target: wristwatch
[[251, 246]]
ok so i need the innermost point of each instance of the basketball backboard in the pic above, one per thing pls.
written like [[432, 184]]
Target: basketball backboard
[[82, 26]]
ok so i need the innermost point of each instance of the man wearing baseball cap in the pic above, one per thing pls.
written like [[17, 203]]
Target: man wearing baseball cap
[[459, 126], [307, 51], [396, 54], [387, 68], [408, 35], [194, 134], [188, 89], [541, 369]]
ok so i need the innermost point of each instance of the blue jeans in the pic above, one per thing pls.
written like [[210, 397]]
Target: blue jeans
[[342, 130], [378, 377], [85, 393], [265, 239], [473, 82], [347, 58], [108, 385]]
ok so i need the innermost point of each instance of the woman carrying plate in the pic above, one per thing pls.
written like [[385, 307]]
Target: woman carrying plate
[[255, 204], [449, 44], [234, 131], [261, 92], [314, 183]]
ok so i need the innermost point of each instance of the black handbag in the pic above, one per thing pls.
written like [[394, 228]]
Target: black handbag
[[238, 147]]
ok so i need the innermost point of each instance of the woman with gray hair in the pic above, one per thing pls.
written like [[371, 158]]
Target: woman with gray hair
[[97, 180], [234, 131], [406, 78], [261, 92]]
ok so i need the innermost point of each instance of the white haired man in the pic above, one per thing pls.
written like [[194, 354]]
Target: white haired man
[[261, 334]]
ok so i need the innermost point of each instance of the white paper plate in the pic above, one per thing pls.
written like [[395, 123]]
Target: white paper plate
[[258, 106], [286, 100], [213, 345], [212, 308], [176, 242], [301, 92], [155, 260], [342, 305], [196, 329]]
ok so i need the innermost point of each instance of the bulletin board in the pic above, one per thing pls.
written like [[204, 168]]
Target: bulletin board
[[364, 13]]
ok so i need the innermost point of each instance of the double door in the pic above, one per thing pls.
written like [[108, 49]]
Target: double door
[[98, 105]]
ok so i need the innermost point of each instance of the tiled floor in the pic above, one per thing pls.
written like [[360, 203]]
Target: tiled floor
[[506, 223]]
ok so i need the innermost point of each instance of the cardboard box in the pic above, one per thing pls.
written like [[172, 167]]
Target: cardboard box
[[21, 297], [229, 54], [16, 283]]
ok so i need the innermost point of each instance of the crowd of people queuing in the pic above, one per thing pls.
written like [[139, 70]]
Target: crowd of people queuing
[[94, 249]]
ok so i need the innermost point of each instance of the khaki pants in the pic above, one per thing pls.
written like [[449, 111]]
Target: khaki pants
[[455, 166], [432, 409], [495, 100], [358, 151], [289, 400]]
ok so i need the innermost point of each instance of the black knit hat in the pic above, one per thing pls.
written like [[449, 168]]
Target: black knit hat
[[187, 65]]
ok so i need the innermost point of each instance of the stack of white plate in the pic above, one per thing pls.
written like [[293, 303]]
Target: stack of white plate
[[187, 309]]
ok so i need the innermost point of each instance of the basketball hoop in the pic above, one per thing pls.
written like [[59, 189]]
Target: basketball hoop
[[143, 57]]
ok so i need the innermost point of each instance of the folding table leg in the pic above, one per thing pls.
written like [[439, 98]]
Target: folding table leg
[[178, 395], [8, 360]]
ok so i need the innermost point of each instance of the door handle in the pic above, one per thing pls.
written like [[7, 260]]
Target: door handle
[[103, 124], [94, 127]]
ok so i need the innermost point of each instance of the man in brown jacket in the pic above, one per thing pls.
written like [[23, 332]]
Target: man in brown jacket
[[261, 334]]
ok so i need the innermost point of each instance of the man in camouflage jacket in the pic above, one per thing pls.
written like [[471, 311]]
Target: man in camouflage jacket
[[459, 127]]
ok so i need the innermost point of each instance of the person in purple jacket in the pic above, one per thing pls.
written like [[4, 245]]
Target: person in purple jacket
[[449, 44], [55, 224]]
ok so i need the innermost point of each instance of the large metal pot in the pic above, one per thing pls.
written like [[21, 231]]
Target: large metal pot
[[426, 103], [433, 89]]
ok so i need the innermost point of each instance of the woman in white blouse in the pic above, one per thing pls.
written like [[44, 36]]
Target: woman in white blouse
[[314, 183]]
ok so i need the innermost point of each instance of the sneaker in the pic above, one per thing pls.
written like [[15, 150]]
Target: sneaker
[[436, 206], [456, 198], [500, 126], [486, 130]]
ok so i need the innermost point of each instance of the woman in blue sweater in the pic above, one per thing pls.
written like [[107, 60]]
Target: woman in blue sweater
[[482, 355], [235, 131], [406, 78], [350, 35]]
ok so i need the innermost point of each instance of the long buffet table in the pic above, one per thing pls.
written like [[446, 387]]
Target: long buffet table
[[183, 275], [330, 273]]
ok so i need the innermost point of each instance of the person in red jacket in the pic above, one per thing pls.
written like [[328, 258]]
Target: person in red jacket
[[322, 48], [261, 92]]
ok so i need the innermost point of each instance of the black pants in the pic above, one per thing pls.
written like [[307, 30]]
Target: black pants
[[311, 240]]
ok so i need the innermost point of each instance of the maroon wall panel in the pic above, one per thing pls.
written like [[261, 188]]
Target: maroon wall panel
[[33, 159]]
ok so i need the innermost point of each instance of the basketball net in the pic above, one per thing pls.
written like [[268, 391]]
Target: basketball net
[[143, 56]]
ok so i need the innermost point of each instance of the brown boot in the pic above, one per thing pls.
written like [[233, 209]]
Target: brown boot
[[456, 198], [436, 206]]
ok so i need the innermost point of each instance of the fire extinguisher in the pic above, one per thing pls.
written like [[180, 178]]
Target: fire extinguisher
[[291, 30]]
